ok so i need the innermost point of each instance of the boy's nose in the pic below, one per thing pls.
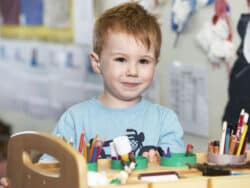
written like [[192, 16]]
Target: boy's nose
[[132, 69]]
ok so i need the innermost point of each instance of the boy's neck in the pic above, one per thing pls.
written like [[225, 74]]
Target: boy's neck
[[117, 103]]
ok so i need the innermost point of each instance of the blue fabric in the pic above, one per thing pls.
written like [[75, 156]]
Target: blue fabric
[[209, 2], [193, 4], [145, 123], [32, 11], [179, 28]]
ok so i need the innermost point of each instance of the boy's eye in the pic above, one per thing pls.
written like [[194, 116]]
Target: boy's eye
[[144, 61], [120, 59]]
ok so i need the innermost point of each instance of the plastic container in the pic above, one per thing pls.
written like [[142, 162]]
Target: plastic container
[[141, 163], [226, 158], [92, 166], [177, 160]]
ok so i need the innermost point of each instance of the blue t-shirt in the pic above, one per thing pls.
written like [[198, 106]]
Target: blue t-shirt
[[145, 123]]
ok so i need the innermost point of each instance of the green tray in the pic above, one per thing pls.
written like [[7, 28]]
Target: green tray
[[178, 160], [142, 163]]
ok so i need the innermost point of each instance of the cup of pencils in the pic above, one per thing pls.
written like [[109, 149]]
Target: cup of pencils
[[231, 149], [92, 166], [90, 151]]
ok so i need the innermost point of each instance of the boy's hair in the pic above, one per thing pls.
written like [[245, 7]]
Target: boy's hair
[[132, 19]]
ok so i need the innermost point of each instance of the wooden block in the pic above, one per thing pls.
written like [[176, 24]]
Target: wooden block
[[229, 182], [134, 185], [200, 182]]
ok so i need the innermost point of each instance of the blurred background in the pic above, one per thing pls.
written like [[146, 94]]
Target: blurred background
[[44, 64]]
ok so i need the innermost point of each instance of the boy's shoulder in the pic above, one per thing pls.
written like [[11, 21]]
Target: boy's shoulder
[[159, 108], [81, 106]]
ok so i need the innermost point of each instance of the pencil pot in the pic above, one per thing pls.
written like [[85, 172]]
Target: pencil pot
[[141, 163], [226, 158], [177, 160], [92, 166]]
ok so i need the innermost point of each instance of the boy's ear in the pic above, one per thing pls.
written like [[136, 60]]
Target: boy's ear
[[95, 62]]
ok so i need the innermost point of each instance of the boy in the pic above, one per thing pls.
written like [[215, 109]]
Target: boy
[[126, 49]]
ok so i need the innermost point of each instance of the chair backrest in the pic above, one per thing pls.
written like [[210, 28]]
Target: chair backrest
[[24, 174]]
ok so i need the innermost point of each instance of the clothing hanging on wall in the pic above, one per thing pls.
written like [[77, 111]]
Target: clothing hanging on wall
[[239, 87], [32, 12], [9, 11]]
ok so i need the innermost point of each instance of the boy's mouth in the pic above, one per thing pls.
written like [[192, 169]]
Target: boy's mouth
[[130, 84]]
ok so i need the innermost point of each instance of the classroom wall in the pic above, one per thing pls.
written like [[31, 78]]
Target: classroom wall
[[186, 52]]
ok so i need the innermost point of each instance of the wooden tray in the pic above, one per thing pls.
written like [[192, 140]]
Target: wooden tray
[[71, 170]]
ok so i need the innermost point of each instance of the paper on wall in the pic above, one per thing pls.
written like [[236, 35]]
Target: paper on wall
[[188, 97], [57, 13]]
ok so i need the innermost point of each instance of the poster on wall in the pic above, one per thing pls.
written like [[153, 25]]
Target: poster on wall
[[188, 97], [83, 21], [57, 13], [42, 87]]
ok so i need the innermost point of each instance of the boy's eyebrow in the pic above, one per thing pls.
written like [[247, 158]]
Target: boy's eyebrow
[[150, 57], [118, 53], [141, 56]]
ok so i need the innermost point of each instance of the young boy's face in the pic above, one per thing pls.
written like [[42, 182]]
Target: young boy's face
[[127, 67]]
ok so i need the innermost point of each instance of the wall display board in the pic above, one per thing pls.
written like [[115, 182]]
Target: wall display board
[[44, 63], [42, 79], [37, 19]]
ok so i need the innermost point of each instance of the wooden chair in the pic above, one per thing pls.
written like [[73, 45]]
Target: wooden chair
[[25, 174]]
